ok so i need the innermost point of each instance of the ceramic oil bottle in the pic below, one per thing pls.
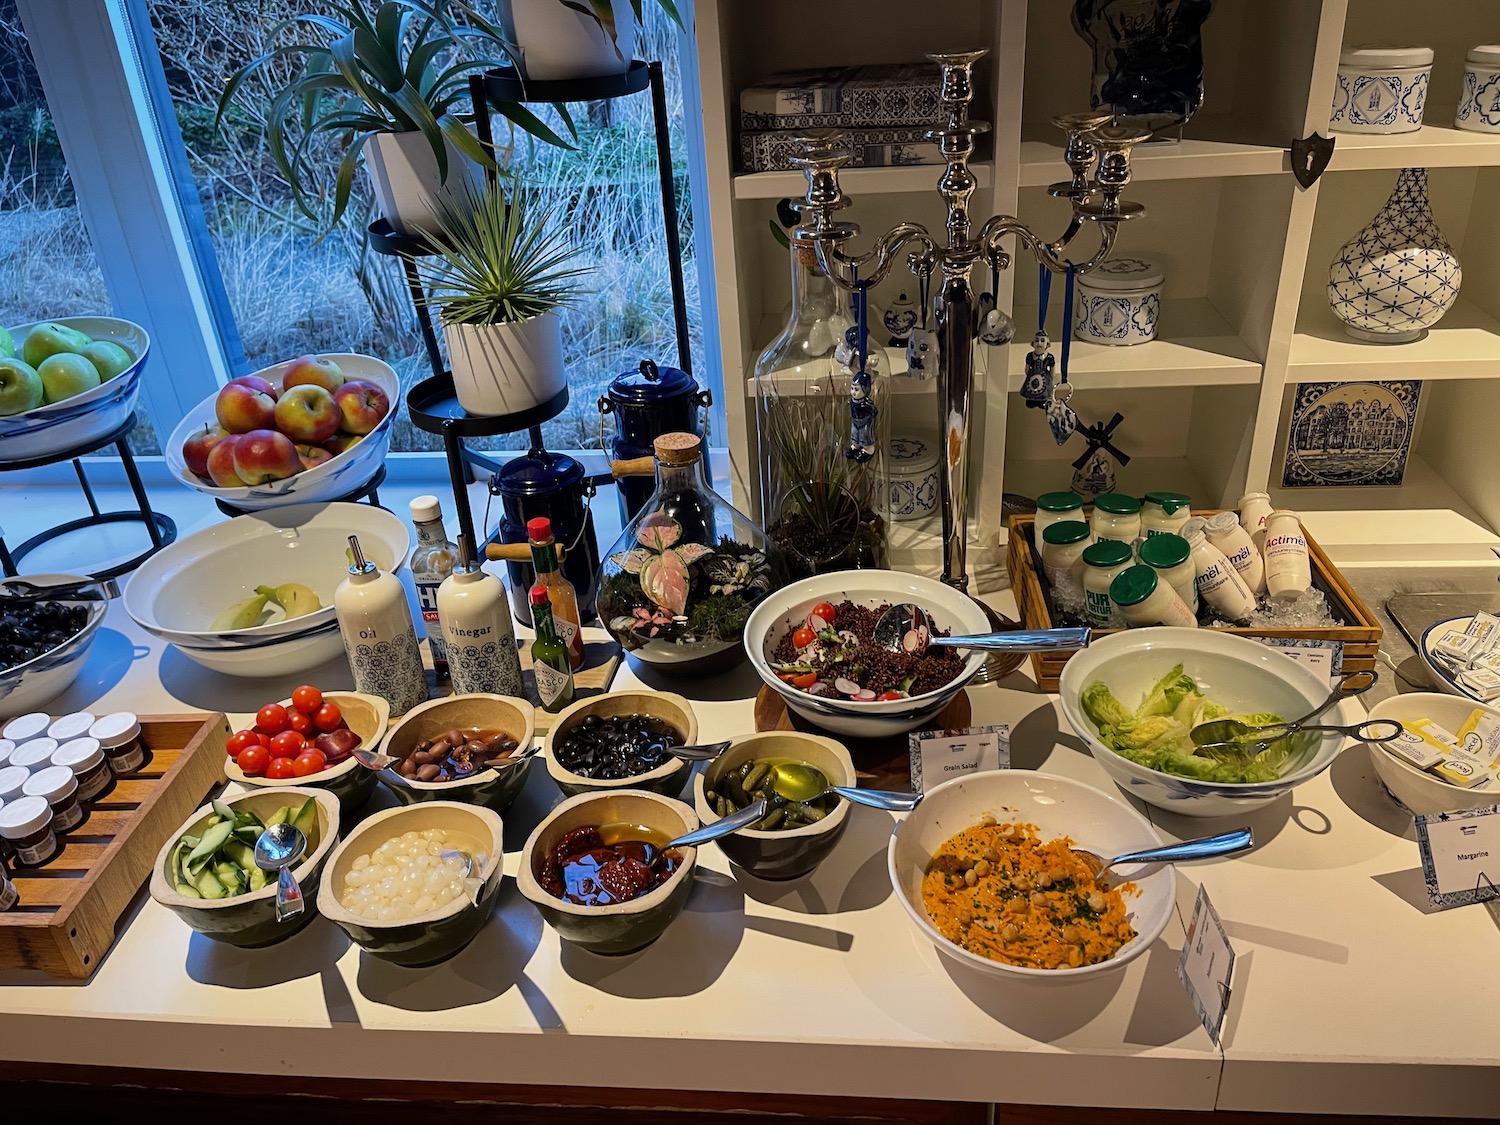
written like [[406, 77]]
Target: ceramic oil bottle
[[379, 635]]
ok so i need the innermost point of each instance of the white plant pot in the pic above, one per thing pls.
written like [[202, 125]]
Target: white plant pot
[[408, 188], [557, 42], [506, 368]]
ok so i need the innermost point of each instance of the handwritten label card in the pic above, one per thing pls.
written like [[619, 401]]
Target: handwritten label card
[[1461, 855], [1206, 967], [941, 755]]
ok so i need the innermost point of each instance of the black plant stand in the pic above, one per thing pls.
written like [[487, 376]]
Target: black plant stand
[[161, 528]]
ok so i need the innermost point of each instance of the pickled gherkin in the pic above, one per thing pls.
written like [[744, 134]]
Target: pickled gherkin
[[793, 790]]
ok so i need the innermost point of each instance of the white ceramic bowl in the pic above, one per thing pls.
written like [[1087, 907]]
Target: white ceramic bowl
[[788, 607], [27, 686], [83, 418], [1419, 790], [1242, 674], [1057, 806], [328, 481], [1442, 679], [178, 592]]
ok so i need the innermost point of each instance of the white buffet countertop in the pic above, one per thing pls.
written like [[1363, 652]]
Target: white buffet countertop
[[1350, 996]]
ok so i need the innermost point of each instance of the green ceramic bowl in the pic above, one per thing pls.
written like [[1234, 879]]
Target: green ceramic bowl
[[367, 716], [439, 934], [249, 920], [493, 788], [795, 852], [628, 926], [667, 779]]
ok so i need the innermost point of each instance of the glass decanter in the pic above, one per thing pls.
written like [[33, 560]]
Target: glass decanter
[[824, 492], [678, 585]]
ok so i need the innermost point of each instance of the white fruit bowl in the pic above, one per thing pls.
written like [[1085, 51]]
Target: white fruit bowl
[[332, 479], [83, 418], [177, 592]]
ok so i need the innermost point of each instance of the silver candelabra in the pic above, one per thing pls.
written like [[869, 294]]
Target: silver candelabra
[[1097, 153]]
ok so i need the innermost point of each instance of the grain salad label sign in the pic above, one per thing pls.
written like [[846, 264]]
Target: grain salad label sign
[[1461, 856], [1206, 967], [941, 755]]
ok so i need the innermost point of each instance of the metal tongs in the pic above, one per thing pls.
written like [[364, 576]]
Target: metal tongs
[[1240, 738]]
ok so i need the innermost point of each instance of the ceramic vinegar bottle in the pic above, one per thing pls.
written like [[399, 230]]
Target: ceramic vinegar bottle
[[379, 634], [475, 618]]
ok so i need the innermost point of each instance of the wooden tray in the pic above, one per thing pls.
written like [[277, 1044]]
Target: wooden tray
[[1361, 637], [879, 763], [601, 660], [70, 906]]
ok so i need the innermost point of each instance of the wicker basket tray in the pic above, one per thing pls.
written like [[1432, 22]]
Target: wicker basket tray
[[1360, 638]]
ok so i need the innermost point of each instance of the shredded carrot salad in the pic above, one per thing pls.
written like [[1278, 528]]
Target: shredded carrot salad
[[1000, 891]]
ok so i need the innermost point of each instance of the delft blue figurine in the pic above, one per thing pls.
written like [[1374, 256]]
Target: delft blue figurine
[[1036, 388], [922, 353], [996, 327], [1095, 476], [900, 319], [846, 354]]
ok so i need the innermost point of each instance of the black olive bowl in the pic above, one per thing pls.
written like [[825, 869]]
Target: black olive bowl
[[793, 852], [426, 938], [29, 682], [623, 927], [668, 779], [494, 788]]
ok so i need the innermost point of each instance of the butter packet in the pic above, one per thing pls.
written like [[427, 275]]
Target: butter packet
[[1486, 627], [1410, 746], [1480, 737], [1482, 682], [1462, 771], [1440, 736]]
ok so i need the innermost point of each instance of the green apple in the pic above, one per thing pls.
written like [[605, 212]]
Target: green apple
[[51, 339], [65, 375], [7, 345], [20, 386], [108, 357]]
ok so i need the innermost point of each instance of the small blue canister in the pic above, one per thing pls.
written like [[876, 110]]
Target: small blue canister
[[542, 483]]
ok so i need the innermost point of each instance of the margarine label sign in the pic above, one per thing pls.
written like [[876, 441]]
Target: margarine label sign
[[1461, 855]]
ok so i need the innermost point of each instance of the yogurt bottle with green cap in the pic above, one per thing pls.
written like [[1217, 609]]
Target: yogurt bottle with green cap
[[1116, 517], [1171, 557], [1164, 513], [1062, 560], [1055, 507], [1103, 562], [1145, 599]]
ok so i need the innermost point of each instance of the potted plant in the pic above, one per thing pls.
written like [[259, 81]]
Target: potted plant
[[502, 267], [389, 81], [562, 39]]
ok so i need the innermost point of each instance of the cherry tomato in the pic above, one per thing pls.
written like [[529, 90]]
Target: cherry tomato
[[272, 718], [891, 695], [826, 611], [803, 637], [279, 769], [287, 744], [805, 681], [263, 738], [253, 760], [307, 699], [309, 762], [328, 717], [301, 722], [241, 740]]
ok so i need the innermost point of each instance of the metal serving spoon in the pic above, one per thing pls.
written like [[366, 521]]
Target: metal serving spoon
[[279, 847], [374, 760], [1228, 843], [906, 627], [1235, 732], [797, 782], [704, 752]]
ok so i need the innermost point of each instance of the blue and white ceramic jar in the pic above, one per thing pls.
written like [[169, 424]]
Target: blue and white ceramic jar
[[1118, 303], [913, 467], [1381, 89], [1479, 100]]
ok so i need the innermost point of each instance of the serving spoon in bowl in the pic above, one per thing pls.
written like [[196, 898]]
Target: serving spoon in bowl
[[1226, 843], [796, 782], [374, 760], [907, 627]]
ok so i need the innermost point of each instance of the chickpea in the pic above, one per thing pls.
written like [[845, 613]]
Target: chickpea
[[1044, 880], [1008, 832], [1075, 958], [1096, 902], [970, 878], [1038, 900], [1021, 883], [1010, 933], [1070, 934], [987, 821], [982, 868], [1019, 906], [991, 854]]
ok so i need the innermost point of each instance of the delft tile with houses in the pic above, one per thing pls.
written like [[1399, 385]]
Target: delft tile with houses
[[1356, 433]]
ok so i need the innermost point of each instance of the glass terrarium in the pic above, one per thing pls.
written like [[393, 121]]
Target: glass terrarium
[[678, 585], [822, 435]]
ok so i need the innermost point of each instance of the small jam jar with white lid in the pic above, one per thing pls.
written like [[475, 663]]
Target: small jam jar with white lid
[[27, 825], [85, 757], [1479, 99], [12, 778], [70, 726], [1165, 513], [25, 727], [1116, 517], [1380, 89], [1055, 507], [1118, 303], [9, 896], [34, 755], [6, 747], [59, 788], [119, 735]]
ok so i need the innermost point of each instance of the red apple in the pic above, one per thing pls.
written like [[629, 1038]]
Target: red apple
[[317, 370], [255, 382], [264, 455], [242, 408], [340, 443], [362, 404], [221, 468], [307, 413], [196, 449], [313, 455]]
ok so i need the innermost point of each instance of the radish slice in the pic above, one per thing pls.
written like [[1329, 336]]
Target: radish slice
[[820, 688], [845, 686], [864, 695], [912, 641]]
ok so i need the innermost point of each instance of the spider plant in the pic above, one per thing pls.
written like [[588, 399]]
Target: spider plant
[[502, 259], [394, 67]]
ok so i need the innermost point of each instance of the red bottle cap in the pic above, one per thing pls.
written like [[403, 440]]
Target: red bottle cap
[[539, 529], [539, 595]]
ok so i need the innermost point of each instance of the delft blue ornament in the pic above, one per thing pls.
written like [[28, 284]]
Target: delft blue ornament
[[922, 353], [1060, 416], [1036, 388], [996, 327], [900, 319]]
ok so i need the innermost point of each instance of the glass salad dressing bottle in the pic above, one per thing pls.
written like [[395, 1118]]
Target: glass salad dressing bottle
[[431, 562], [380, 637]]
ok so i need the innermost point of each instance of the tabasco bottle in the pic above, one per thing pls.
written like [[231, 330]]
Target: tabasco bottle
[[549, 656], [560, 591]]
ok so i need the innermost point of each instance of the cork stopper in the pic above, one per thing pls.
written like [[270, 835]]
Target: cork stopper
[[678, 449]]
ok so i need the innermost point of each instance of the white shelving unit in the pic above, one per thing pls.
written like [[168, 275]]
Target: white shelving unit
[[1245, 316]]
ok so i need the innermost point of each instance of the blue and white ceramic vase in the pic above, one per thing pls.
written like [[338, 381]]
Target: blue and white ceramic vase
[[1397, 277]]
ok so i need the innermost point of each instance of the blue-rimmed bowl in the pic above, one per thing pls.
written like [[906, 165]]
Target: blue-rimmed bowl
[[26, 687], [787, 608], [177, 593], [336, 477], [76, 421], [1243, 675], [1443, 678]]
